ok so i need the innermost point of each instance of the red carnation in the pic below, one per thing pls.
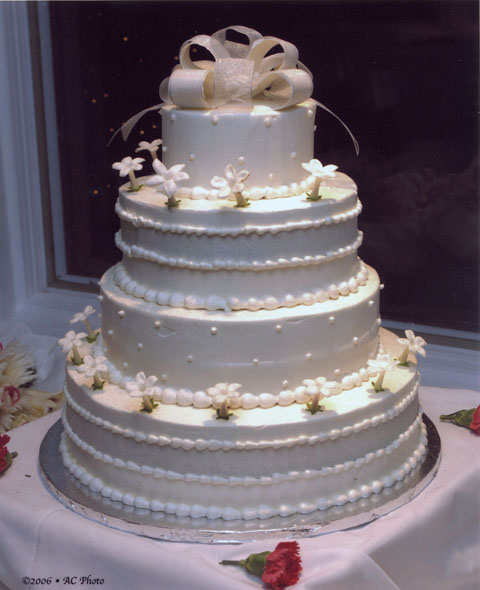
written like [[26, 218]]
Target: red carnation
[[6, 458], [279, 568], [466, 418], [475, 423], [283, 566]]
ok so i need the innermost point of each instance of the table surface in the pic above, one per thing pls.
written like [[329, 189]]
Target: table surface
[[432, 542]]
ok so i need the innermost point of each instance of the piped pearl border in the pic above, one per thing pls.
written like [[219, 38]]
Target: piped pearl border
[[254, 193], [135, 251], [200, 444], [95, 484], [176, 228], [214, 302]]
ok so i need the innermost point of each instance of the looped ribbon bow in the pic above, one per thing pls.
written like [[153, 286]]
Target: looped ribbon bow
[[239, 73]]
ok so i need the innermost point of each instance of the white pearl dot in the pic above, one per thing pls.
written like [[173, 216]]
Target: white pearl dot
[[100, 298], [310, 112], [382, 286], [355, 340], [268, 121], [189, 358], [157, 324], [337, 371], [308, 356], [241, 160], [331, 319], [285, 384], [121, 313], [213, 330], [271, 176], [293, 155], [214, 120], [163, 378], [191, 157], [173, 117], [125, 365], [314, 127], [110, 332], [371, 302], [278, 328], [164, 148], [379, 321], [139, 346], [255, 362]]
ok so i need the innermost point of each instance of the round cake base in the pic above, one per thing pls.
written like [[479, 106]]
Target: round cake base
[[168, 527]]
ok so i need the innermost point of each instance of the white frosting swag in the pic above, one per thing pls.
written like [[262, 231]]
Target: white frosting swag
[[239, 73]]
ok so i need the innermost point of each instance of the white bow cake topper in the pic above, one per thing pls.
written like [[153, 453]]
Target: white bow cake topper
[[238, 73]]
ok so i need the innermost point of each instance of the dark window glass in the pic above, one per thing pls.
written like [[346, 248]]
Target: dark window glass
[[403, 75]]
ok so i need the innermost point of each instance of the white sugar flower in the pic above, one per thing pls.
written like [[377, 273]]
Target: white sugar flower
[[94, 367], [127, 167], [224, 396], [413, 344], [166, 180], [82, 316], [381, 365], [318, 171], [231, 184], [143, 387], [70, 342], [152, 147]]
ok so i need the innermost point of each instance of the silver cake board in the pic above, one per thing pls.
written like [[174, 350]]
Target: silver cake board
[[168, 527]]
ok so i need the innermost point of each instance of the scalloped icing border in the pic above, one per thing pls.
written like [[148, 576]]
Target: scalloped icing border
[[96, 485], [215, 302], [146, 222], [135, 251], [216, 445]]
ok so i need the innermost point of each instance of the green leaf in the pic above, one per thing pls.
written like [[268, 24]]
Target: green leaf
[[255, 563], [317, 198], [135, 190], [461, 418]]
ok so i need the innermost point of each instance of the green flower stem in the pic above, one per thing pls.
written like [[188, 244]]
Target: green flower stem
[[173, 202], [316, 188], [313, 406], [241, 200], [232, 562], [76, 358], [378, 385], [91, 334], [147, 404], [133, 181], [97, 382], [402, 359], [461, 418]]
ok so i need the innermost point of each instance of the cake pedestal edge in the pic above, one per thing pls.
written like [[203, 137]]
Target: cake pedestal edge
[[168, 527]]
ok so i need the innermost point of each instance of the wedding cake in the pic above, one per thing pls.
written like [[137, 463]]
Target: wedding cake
[[241, 371]]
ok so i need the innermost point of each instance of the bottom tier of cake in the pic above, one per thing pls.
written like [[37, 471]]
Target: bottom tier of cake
[[260, 463]]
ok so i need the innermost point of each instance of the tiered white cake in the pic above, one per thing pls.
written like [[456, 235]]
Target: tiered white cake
[[256, 328]]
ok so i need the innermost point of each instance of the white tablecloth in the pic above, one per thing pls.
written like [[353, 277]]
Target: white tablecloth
[[431, 543]]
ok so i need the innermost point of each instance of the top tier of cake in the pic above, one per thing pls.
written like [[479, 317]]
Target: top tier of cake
[[270, 144]]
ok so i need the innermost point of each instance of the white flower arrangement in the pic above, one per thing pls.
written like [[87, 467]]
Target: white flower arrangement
[[71, 342], [151, 147], [94, 366], [143, 387], [82, 316], [225, 396], [319, 172], [381, 365], [231, 184], [165, 181], [413, 345], [128, 166]]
